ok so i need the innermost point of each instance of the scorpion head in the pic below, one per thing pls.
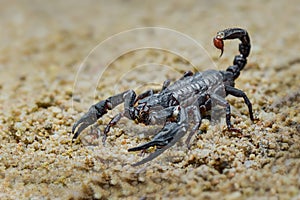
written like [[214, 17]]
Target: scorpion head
[[147, 109], [144, 107], [142, 113]]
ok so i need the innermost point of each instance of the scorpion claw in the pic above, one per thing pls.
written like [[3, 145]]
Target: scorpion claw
[[166, 138], [86, 120], [148, 145]]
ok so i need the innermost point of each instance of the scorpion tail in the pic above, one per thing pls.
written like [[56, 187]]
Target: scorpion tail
[[239, 61]]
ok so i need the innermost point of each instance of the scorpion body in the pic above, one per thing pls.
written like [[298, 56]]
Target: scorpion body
[[192, 93]]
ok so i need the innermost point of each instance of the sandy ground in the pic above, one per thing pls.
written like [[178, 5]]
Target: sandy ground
[[43, 91]]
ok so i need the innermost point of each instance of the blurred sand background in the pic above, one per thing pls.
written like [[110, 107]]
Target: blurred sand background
[[43, 91]]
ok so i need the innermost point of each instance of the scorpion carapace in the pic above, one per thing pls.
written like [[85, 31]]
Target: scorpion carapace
[[192, 93]]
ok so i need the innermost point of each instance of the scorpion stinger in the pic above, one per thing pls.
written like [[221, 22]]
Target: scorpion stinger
[[199, 93]]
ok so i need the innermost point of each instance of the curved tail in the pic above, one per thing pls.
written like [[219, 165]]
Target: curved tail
[[239, 61]]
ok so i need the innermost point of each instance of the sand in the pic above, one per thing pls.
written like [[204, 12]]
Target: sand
[[49, 77]]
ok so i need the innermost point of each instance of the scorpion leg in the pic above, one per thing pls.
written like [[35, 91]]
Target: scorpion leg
[[186, 74], [165, 84], [144, 94], [97, 110], [112, 122], [239, 93], [199, 112], [204, 108], [198, 119], [167, 137], [222, 102]]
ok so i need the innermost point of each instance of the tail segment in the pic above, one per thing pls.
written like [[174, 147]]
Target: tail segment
[[239, 61]]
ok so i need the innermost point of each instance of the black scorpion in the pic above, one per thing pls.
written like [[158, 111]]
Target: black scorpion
[[171, 105]]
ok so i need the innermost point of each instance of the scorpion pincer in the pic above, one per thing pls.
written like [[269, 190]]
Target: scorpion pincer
[[193, 92]]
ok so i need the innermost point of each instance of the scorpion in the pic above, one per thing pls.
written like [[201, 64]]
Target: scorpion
[[170, 106]]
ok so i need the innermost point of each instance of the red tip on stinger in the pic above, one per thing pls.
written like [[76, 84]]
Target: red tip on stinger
[[219, 44]]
